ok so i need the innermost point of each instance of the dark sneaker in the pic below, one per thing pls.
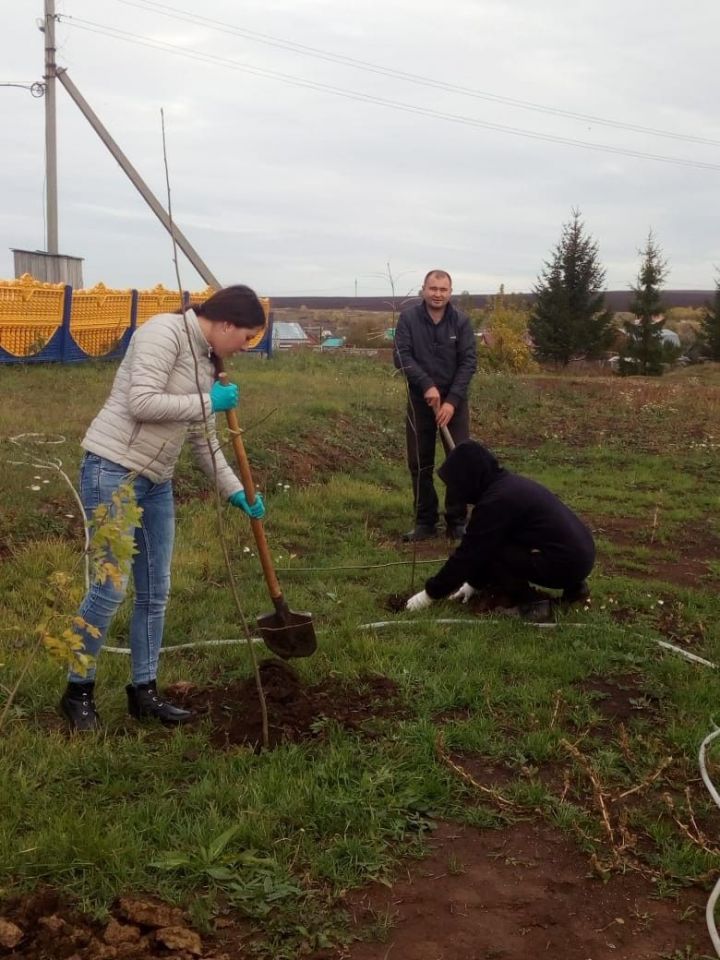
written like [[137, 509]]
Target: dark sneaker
[[144, 703], [577, 593], [456, 531], [538, 612], [77, 705], [420, 532]]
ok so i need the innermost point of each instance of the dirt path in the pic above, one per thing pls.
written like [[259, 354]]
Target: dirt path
[[522, 892]]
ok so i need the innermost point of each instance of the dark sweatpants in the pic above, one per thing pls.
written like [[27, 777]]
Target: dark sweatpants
[[421, 436], [514, 565]]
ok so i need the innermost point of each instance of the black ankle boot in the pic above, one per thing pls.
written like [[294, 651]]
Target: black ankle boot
[[576, 593], [144, 703], [77, 705]]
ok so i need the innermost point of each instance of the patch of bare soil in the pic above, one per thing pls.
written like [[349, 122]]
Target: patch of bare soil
[[495, 775], [437, 548], [675, 625], [295, 711], [313, 457], [46, 925], [522, 892], [395, 602], [691, 553], [618, 699]]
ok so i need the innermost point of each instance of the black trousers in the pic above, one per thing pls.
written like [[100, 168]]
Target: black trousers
[[421, 433], [513, 565]]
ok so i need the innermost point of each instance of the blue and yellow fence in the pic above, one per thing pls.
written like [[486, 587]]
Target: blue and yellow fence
[[43, 322]]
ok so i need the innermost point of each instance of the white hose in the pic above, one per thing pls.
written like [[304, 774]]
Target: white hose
[[686, 654], [190, 646], [381, 624], [712, 900]]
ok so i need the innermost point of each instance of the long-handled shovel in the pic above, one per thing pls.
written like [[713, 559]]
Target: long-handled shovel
[[286, 632], [449, 442]]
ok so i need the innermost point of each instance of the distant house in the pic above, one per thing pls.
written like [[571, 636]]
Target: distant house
[[289, 336], [670, 337]]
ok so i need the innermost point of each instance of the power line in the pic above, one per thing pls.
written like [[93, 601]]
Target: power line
[[304, 50], [36, 88], [117, 34]]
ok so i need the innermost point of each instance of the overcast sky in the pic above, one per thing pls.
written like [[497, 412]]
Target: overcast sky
[[296, 190]]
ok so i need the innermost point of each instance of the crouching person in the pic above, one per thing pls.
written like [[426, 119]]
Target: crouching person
[[519, 533]]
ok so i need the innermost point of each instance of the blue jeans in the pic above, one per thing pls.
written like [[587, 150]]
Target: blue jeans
[[154, 539]]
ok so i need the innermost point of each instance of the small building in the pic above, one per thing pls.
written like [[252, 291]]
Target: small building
[[48, 267], [332, 343], [289, 336], [670, 337]]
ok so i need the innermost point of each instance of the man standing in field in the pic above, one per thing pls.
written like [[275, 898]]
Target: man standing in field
[[435, 349]]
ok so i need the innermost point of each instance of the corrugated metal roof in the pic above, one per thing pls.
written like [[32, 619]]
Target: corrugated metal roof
[[282, 330]]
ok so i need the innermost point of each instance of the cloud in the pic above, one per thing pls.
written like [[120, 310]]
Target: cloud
[[291, 188]]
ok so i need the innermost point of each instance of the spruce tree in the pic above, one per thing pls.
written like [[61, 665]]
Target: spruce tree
[[644, 350], [710, 327], [569, 319]]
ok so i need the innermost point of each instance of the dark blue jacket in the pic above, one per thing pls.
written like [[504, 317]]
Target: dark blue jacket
[[438, 355]]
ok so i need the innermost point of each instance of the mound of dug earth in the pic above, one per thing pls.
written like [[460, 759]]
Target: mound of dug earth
[[295, 711], [46, 926]]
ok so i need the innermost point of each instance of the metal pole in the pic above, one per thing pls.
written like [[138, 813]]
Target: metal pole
[[138, 182], [50, 130]]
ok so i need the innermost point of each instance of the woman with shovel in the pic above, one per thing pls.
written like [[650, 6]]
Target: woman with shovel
[[165, 391]]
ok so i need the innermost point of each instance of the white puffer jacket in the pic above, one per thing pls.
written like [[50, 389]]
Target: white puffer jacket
[[154, 404]]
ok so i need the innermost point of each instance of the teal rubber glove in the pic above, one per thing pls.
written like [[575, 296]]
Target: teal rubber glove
[[256, 511], [224, 396]]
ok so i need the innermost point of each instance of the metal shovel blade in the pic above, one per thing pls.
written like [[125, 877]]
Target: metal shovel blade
[[288, 633]]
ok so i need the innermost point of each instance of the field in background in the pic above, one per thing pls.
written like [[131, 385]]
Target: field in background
[[528, 712]]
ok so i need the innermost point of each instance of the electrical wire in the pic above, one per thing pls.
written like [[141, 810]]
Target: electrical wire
[[117, 34], [358, 566], [36, 88], [382, 70]]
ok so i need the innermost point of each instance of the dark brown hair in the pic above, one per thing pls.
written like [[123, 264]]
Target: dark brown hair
[[238, 305], [437, 273]]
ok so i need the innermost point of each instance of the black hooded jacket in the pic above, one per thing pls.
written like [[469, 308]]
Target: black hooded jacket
[[508, 509]]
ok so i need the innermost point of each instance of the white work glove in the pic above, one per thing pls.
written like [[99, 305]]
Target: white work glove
[[419, 601], [463, 594]]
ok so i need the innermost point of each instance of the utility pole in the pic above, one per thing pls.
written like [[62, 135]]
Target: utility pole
[[58, 264], [138, 182], [50, 130]]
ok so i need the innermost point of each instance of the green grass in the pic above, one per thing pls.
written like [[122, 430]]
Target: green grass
[[280, 835]]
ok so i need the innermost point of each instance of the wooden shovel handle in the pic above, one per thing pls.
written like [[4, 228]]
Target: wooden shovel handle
[[449, 442], [247, 481]]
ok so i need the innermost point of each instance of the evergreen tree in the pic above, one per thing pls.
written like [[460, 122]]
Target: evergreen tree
[[710, 326], [644, 351], [569, 319]]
